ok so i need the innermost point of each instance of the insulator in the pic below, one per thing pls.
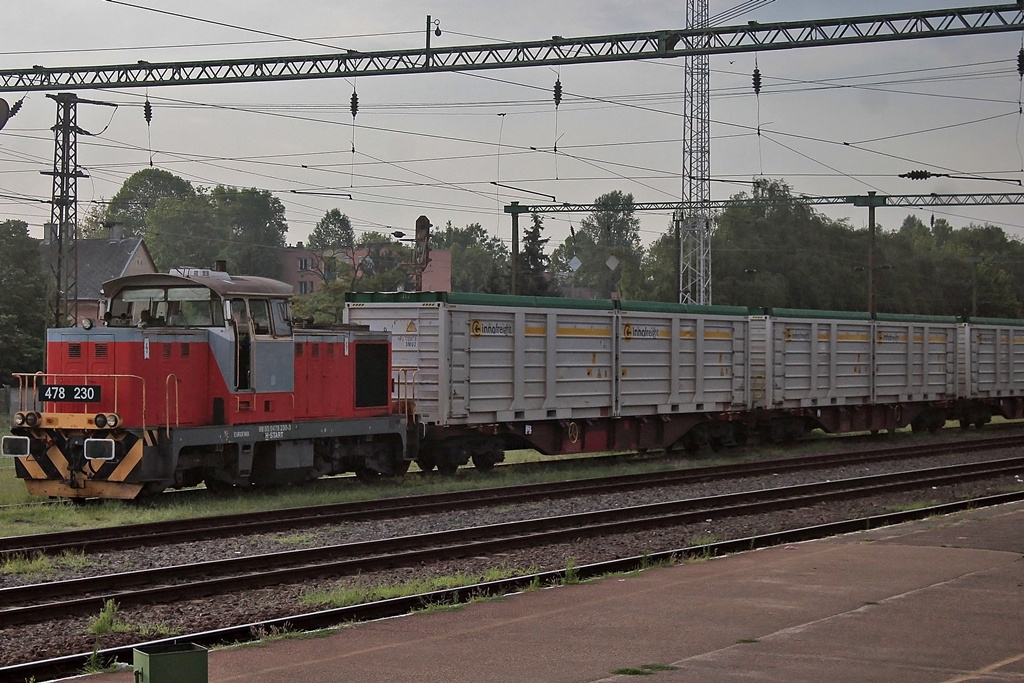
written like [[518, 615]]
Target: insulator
[[355, 104], [147, 111], [558, 92], [757, 81], [917, 175], [16, 107], [1020, 63]]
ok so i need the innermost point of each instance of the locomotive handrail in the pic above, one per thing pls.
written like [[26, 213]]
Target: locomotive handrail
[[28, 385]]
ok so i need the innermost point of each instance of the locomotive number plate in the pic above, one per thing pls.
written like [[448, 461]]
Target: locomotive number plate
[[83, 393]]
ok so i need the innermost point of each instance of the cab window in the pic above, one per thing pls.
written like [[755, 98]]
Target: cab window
[[282, 320], [259, 312]]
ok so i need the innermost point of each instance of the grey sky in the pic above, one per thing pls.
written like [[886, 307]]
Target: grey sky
[[433, 144]]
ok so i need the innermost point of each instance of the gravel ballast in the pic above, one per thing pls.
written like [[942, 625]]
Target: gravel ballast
[[71, 636]]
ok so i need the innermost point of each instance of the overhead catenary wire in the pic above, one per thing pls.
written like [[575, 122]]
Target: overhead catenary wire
[[558, 147]]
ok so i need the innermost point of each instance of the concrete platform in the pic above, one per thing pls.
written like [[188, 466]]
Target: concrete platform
[[935, 601]]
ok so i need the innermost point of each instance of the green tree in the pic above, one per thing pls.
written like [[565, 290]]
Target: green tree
[[480, 262], [325, 305], [660, 270], [23, 293], [333, 231], [534, 278], [608, 248], [256, 228], [776, 251], [382, 264], [139, 195], [332, 243], [93, 224], [181, 231]]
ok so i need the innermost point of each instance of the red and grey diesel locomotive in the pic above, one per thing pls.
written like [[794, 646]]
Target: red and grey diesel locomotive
[[199, 376]]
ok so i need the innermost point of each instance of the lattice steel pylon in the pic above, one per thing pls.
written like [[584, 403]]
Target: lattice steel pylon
[[693, 222], [63, 228]]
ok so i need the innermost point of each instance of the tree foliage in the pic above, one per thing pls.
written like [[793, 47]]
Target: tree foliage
[[533, 276], [480, 262], [140, 194], [776, 251], [181, 231], [608, 248], [243, 227], [333, 231], [23, 296], [256, 229]]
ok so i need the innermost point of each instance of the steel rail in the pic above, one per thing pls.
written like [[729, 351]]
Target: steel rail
[[246, 573], [62, 666]]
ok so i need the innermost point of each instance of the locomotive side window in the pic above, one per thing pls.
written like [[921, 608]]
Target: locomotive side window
[[260, 313], [282, 319]]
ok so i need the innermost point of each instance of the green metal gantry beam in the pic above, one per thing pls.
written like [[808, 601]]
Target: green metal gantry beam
[[556, 51], [917, 200]]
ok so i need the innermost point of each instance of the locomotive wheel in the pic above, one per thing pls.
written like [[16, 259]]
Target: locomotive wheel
[[426, 463], [447, 468], [220, 487]]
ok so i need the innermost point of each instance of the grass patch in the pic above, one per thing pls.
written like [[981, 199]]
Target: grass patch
[[24, 520], [747, 641], [27, 565], [348, 595], [40, 564], [572, 574]]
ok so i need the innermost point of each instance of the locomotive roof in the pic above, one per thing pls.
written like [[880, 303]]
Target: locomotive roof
[[224, 287]]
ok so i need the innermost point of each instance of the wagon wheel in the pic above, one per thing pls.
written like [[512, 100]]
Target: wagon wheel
[[483, 461], [447, 468], [426, 462], [368, 475]]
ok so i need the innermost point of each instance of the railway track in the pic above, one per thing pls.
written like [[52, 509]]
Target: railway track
[[59, 599], [66, 665], [225, 526]]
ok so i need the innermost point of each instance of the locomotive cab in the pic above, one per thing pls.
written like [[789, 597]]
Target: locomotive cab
[[197, 376]]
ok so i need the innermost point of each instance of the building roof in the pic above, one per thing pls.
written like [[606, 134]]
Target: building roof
[[99, 260]]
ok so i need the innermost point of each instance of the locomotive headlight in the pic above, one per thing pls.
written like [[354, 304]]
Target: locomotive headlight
[[100, 421], [32, 418], [19, 419], [113, 420]]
